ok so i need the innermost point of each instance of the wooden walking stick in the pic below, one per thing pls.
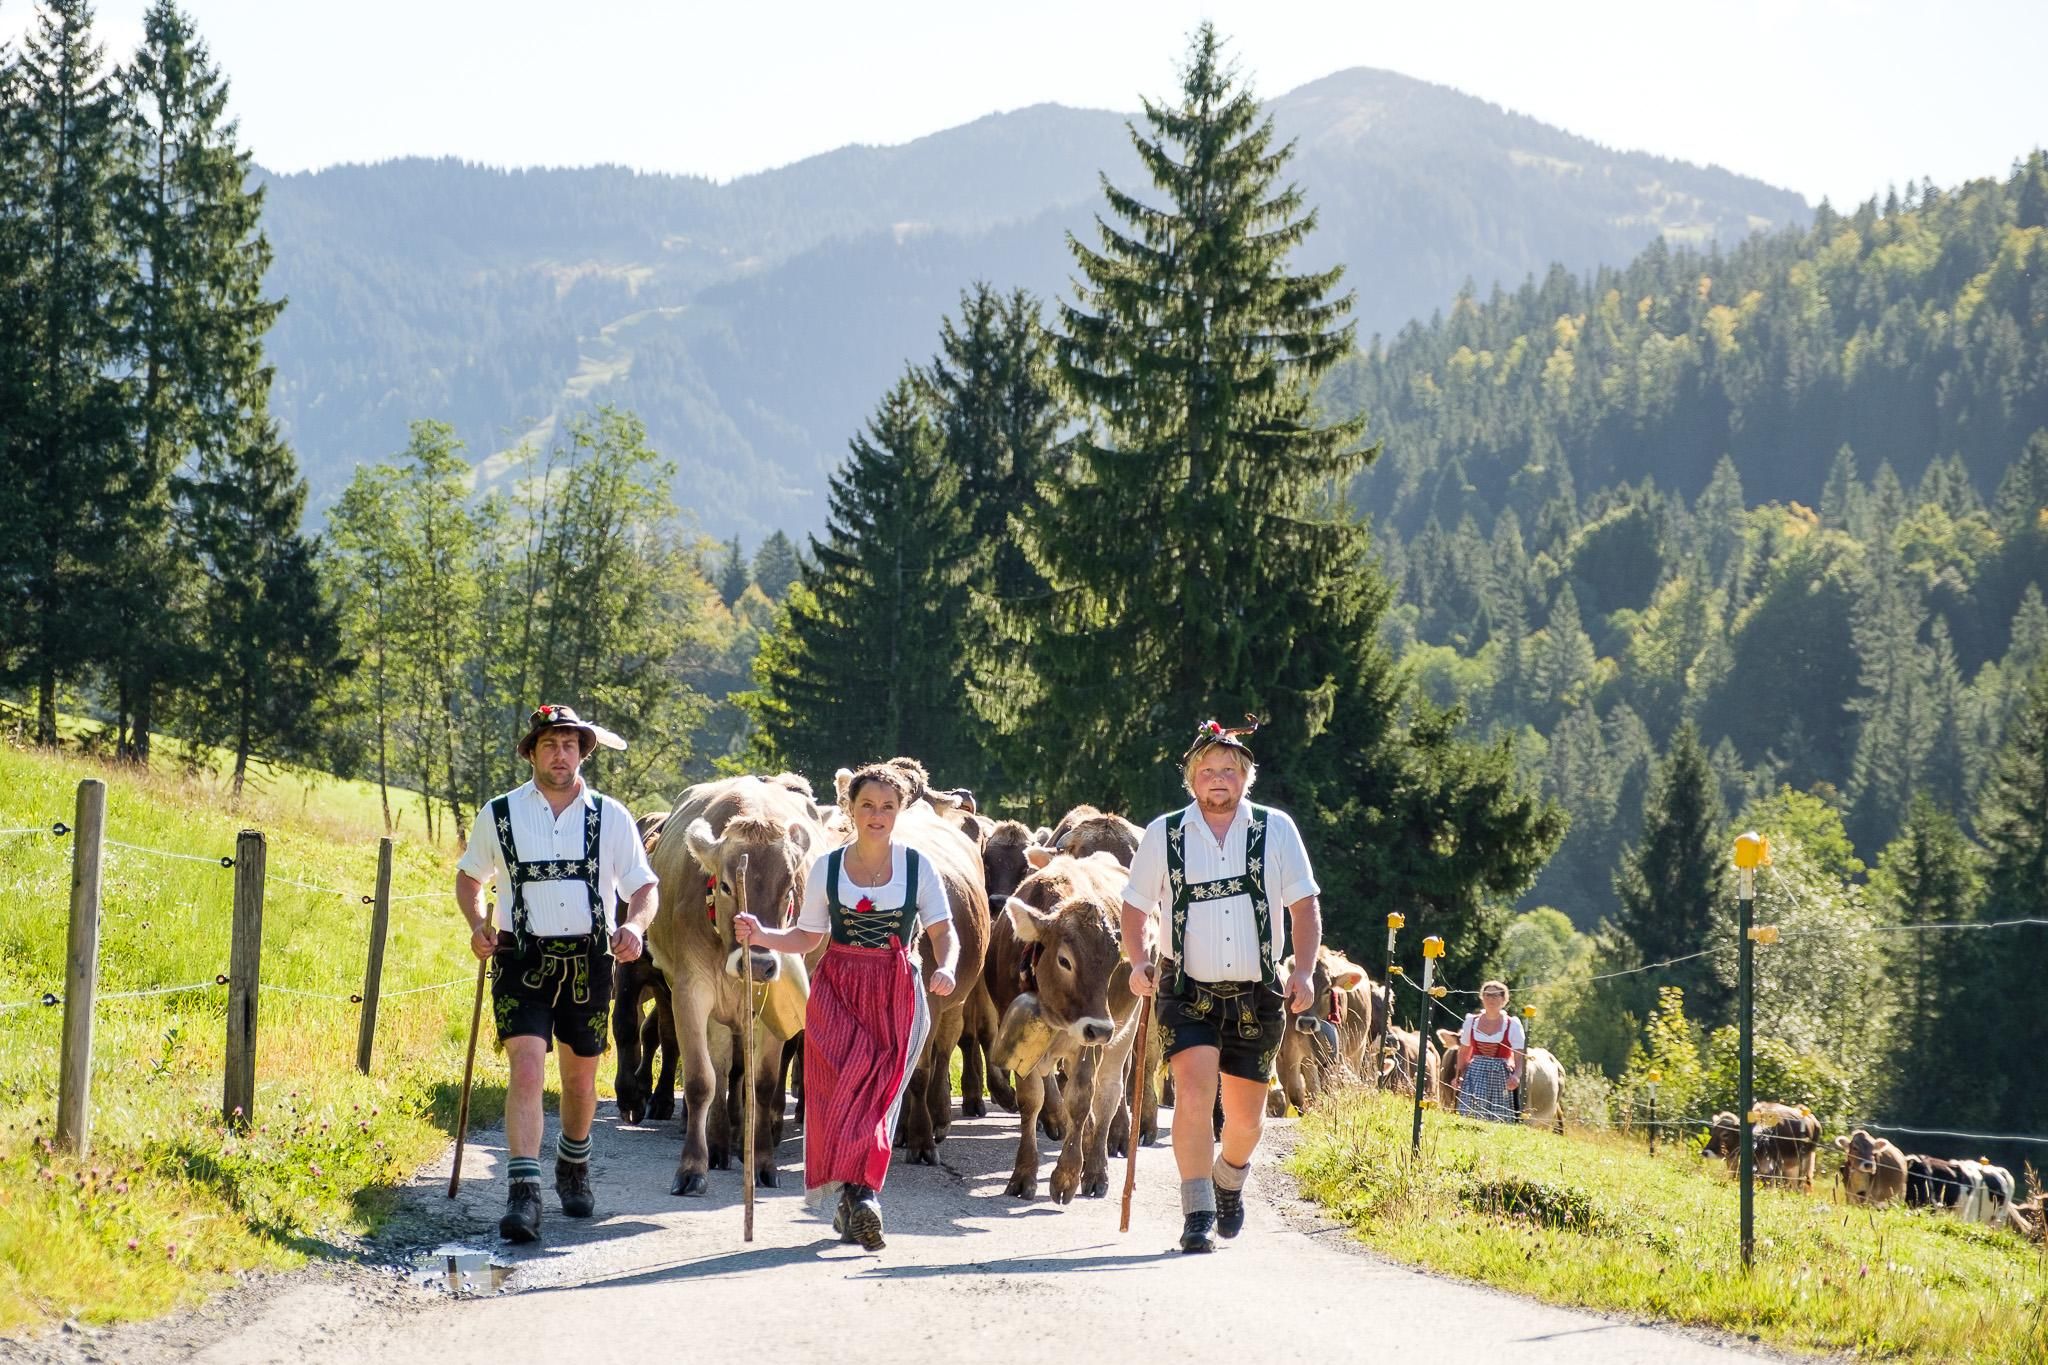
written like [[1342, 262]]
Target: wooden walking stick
[[476, 1014], [1139, 1049], [747, 1102]]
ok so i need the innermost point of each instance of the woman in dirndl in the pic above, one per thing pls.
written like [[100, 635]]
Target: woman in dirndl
[[1489, 1066], [867, 1019]]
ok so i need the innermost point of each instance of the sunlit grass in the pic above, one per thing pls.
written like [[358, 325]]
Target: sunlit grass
[[1591, 1220], [168, 1200]]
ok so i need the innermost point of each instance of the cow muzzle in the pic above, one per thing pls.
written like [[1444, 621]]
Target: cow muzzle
[[757, 964], [1322, 1036], [1094, 1032]]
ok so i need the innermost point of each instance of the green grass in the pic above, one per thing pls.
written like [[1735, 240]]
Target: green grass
[[1591, 1220], [168, 1201]]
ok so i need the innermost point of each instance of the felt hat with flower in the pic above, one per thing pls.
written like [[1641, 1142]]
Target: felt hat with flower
[[1212, 734], [553, 717]]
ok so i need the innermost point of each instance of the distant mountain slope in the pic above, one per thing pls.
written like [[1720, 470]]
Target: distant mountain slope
[[753, 325], [1907, 331]]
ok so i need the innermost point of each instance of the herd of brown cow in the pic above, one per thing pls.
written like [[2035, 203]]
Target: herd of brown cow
[[1043, 1014]]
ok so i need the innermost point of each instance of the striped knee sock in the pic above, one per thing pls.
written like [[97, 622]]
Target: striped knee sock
[[572, 1149], [523, 1168]]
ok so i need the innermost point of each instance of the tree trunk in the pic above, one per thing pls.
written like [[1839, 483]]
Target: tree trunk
[[46, 707]]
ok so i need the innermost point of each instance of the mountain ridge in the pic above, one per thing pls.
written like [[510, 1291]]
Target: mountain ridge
[[784, 302]]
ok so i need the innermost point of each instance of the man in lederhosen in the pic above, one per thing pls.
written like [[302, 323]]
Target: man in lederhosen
[[1218, 871], [561, 854]]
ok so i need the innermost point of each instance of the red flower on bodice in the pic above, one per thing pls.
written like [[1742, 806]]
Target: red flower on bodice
[[863, 905]]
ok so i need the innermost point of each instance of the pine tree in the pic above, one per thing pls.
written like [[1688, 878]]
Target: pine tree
[[1951, 748], [17, 334], [775, 566], [195, 324], [1196, 553], [1671, 882], [2004, 973], [1898, 721], [733, 580], [271, 640], [1929, 875], [363, 530], [1844, 502], [1719, 513], [1565, 661], [68, 463], [866, 661]]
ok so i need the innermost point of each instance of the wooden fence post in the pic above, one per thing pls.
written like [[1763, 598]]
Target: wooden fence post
[[373, 972], [245, 963], [81, 970]]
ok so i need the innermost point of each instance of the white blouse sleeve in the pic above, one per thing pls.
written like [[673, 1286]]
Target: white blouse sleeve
[[815, 917], [932, 907], [1146, 885]]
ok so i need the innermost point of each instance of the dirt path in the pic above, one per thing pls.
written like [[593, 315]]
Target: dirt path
[[968, 1275]]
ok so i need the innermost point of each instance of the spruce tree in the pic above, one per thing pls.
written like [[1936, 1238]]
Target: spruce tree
[[1198, 551], [732, 579], [1929, 875], [1202, 560], [2004, 974], [69, 466], [775, 566], [1564, 662], [195, 321], [1671, 882], [17, 334], [866, 661], [271, 638], [1898, 722]]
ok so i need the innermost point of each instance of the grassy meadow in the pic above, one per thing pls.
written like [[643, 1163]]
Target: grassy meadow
[[1591, 1220], [168, 1202]]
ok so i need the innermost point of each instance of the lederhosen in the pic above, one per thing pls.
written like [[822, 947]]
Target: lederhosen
[[553, 986], [1241, 1019], [863, 1030]]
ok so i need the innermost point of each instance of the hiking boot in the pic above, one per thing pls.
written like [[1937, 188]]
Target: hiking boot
[[1229, 1212], [842, 1214], [572, 1186], [864, 1218], [521, 1222], [1195, 1230]]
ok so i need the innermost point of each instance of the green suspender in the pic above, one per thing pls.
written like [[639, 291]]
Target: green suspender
[[1253, 882], [876, 927]]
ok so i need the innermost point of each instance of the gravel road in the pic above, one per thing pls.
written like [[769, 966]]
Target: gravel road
[[968, 1274]]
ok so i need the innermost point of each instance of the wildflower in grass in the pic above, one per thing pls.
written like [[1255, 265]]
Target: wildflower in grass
[[131, 1244]]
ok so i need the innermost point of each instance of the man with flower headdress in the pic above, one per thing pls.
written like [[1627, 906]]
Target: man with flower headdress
[[562, 856], [1217, 872]]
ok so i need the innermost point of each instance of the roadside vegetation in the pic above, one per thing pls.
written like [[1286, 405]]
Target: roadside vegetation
[[168, 1203], [1591, 1220]]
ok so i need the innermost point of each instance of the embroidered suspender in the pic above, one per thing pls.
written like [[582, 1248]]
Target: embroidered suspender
[[871, 928], [1252, 883], [523, 874]]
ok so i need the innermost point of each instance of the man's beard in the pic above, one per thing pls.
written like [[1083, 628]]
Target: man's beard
[[1217, 805], [547, 781]]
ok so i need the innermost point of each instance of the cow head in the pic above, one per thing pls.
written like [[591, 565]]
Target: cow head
[[1446, 1078], [1111, 834], [774, 858], [1079, 950], [1003, 860], [1859, 1164], [1724, 1137]]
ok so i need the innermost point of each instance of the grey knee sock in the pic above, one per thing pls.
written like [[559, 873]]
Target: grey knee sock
[[1229, 1177], [1197, 1196]]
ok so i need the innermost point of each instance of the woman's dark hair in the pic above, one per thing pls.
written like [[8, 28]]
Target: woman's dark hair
[[887, 774]]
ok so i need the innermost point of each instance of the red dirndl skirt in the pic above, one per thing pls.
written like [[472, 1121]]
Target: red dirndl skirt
[[862, 1031]]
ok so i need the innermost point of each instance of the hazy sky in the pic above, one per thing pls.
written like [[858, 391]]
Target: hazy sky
[[1827, 97]]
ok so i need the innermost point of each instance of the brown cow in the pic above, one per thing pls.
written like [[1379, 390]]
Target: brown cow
[[1003, 868], [697, 858], [1310, 1065], [1397, 1070], [1873, 1171], [1787, 1143], [928, 1104], [641, 1093], [1098, 833], [1059, 934]]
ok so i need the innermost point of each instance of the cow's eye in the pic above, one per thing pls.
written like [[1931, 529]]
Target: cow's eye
[[1066, 963], [726, 887]]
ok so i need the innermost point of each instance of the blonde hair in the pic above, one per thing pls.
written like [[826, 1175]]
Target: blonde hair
[[1197, 754]]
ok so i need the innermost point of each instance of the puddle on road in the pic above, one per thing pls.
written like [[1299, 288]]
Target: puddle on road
[[460, 1270]]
